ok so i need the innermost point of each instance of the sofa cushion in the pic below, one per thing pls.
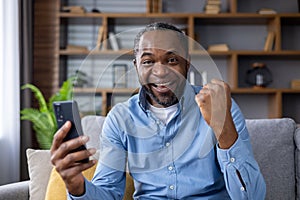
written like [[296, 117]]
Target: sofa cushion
[[273, 146], [297, 141], [56, 189], [13, 191], [39, 165], [39, 168]]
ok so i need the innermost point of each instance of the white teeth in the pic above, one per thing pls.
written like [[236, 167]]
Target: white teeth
[[163, 84]]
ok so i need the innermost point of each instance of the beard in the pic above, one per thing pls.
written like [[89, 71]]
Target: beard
[[165, 100]]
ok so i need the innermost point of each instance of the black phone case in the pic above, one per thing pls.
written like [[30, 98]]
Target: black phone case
[[68, 111]]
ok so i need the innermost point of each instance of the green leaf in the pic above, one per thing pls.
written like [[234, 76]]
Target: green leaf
[[43, 128], [40, 120], [44, 141], [65, 92], [38, 95], [43, 119]]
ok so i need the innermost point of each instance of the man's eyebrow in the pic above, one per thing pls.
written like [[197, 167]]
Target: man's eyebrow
[[169, 52], [146, 54]]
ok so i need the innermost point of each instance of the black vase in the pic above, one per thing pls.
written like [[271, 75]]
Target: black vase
[[259, 75]]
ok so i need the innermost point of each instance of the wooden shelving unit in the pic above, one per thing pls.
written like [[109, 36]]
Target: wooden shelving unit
[[245, 32]]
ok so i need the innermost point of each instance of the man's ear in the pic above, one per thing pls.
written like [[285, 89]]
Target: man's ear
[[135, 64]]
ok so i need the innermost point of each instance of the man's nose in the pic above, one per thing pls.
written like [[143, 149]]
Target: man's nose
[[160, 69]]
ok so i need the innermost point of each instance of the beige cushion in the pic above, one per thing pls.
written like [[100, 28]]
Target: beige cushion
[[56, 189], [39, 168]]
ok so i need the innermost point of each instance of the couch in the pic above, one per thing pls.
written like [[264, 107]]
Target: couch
[[275, 142]]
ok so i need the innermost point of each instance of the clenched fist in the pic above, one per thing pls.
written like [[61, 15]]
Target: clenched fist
[[214, 101]]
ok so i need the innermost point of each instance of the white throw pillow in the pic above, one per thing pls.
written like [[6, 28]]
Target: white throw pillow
[[39, 168]]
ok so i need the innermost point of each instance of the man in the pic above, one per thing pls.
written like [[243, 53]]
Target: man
[[166, 133]]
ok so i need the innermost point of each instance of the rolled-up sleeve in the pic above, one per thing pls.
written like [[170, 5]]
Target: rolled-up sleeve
[[242, 175]]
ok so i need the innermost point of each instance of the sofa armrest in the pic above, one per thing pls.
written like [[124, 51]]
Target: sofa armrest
[[297, 155], [13, 191]]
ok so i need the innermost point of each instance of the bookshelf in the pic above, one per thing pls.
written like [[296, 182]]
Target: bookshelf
[[238, 25]]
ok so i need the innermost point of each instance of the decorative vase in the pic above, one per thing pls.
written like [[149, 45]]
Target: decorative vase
[[259, 76]]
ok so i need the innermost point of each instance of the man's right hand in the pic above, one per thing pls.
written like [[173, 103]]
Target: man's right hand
[[66, 163]]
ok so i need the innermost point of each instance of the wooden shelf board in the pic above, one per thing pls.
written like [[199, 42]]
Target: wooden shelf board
[[184, 15], [290, 91], [194, 52], [124, 15], [234, 90], [247, 52], [106, 90], [95, 52], [264, 90], [254, 91], [289, 15], [266, 53]]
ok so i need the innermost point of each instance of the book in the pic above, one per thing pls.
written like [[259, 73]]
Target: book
[[213, 7], [212, 11], [218, 47], [266, 11], [73, 9], [100, 37], [156, 6], [269, 41], [295, 84], [219, 2], [113, 41], [214, 2]]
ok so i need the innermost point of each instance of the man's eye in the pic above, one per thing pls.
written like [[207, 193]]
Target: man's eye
[[173, 60], [147, 62]]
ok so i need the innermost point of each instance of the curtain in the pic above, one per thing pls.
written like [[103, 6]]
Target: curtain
[[26, 63], [9, 92]]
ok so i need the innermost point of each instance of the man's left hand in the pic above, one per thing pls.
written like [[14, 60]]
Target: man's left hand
[[214, 101]]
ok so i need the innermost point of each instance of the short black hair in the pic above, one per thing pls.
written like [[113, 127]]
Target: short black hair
[[160, 26]]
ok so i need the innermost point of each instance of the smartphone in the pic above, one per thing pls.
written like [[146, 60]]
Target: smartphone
[[68, 111]]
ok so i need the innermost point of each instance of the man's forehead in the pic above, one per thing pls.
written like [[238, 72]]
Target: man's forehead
[[161, 39]]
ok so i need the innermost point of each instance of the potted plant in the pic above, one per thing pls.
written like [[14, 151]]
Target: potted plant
[[43, 118]]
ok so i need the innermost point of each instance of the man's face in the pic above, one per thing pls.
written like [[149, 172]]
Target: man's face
[[162, 66]]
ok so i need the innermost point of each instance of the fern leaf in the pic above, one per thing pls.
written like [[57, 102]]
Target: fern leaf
[[65, 92], [44, 141], [43, 127], [40, 120], [38, 95]]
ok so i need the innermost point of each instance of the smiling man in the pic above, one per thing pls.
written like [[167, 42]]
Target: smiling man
[[165, 135], [162, 65]]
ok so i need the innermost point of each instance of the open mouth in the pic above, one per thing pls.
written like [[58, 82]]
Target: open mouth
[[162, 87]]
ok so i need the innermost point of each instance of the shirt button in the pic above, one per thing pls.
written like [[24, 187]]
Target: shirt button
[[167, 144], [232, 160], [171, 187], [170, 168], [242, 189]]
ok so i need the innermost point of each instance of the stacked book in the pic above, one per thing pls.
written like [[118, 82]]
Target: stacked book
[[218, 47], [74, 9], [213, 7]]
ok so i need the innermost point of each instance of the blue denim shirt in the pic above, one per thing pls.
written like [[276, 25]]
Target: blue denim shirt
[[178, 160]]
